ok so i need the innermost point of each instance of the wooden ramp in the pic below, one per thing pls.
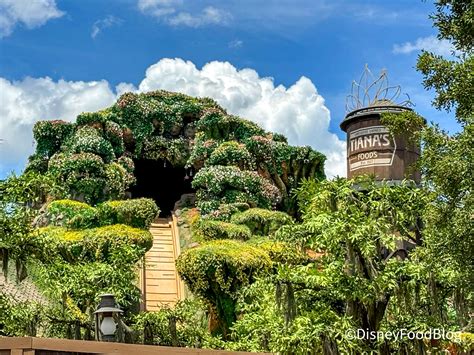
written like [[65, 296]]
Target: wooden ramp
[[160, 283]]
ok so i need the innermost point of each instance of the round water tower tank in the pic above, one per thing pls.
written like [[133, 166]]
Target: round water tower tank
[[372, 149]]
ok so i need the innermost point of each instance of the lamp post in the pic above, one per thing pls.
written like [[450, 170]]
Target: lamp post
[[105, 324]]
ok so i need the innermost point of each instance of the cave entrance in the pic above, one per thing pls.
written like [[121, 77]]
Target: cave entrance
[[160, 181]]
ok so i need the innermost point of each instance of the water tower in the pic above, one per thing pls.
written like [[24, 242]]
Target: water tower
[[371, 148]]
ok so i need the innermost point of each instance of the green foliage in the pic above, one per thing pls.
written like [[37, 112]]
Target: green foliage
[[262, 221], [114, 134], [209, 229], [91, 118], [407, 124], [71, 214], [229, 184], [138, 213], [89, 140], [231, 153], [49, 136], [225, 211], [82, 174], [220, 126], [19, 319], [453, 18], [216, 270], [452, 79], [280, 252], [184, 325], [174, 150], [108, 243]]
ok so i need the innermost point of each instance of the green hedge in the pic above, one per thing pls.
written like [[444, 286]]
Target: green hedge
[[138, 213], [105, 243], [211, 229], [261, 221], [71, 214]]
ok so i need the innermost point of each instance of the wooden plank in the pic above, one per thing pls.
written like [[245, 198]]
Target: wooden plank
[[161, 267], [160, 273], [163, 247], [160, 285]]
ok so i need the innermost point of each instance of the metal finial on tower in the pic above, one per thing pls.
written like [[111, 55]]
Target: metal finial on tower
[[374, 91]]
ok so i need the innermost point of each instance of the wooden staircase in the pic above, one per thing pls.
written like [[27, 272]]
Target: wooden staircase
[[160, 283]]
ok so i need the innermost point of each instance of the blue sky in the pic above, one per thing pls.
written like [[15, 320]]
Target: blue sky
[[116, 41]]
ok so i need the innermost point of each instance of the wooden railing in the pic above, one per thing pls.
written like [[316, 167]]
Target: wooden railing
[[49, 346]]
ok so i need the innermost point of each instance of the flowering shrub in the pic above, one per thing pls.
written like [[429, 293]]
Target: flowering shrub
[[187, 132], [174, 150], [229, 184], [127, 163], [225, 211], [114, 134], [90, 118], [82, 174], [49, 136], [231, 153], [201, 150], [88, 140], [118, 180], [218, 125]]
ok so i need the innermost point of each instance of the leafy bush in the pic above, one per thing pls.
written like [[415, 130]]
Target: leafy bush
[[218, 269], [127, 163], [138, 213], [82, 174], [229, 184], [114, 134], [89, 140], [71, 214], [187, 316], [280, 252], [118, 180], [49, 136], [218, 125], [108, 243], [210, 229], [90, 118], [174, 150], [225, 211], [231, 153], [261, 221]]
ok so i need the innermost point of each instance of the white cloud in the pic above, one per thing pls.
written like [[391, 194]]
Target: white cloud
[[106, 22], [298, 111], [209, 16], [30, 13], [24, 102], [236, 43], [169, 12], [429, 44]]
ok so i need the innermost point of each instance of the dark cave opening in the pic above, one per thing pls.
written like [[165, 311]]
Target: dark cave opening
[[160, 181]]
